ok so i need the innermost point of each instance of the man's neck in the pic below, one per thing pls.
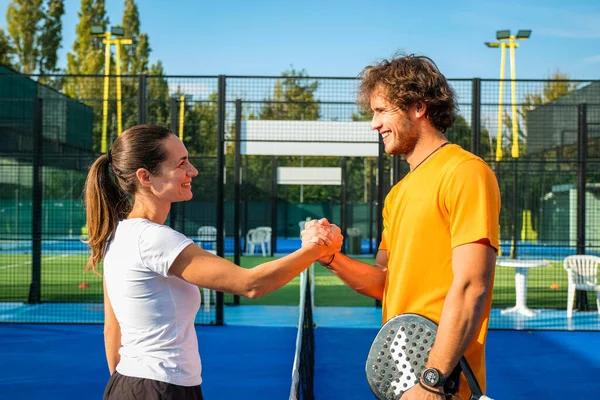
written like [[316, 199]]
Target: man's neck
[[425, 147]]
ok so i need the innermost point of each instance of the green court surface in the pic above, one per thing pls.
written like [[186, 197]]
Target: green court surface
[[62, 276]]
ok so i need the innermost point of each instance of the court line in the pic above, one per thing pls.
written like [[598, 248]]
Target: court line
[[29, 262]]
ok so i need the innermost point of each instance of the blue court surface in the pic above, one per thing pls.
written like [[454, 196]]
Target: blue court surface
[[49, 361]]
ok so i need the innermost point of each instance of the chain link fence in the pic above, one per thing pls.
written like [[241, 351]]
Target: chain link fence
[[243, 133]]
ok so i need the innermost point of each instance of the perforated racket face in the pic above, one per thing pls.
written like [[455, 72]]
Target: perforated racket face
[[398, 355]]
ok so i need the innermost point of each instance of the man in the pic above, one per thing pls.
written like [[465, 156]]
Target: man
[[440, 237]]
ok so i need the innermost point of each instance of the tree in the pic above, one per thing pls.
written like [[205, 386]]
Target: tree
[[87, 55], [51, 36], [6, 50], [556, 86], [24, 17], [134, 58], [87, 58], [158, 91], [293, 98], [35, 29], [135, 61]]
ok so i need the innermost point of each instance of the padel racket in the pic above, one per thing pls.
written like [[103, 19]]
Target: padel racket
[[398, 356]]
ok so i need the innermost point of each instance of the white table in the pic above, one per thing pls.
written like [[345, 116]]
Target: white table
[[521, 269]]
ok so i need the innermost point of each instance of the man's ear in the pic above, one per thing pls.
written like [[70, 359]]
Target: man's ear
[[144, 177], [420, 110]]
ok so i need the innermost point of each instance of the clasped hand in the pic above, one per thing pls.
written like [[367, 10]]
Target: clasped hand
[[323, 233]]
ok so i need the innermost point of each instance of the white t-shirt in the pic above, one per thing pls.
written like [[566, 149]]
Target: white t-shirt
[[155, 310]]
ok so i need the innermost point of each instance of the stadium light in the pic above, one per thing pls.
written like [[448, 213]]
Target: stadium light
[[97, 30], [118, 32], [503, 35], [523, 34], [508, 40]]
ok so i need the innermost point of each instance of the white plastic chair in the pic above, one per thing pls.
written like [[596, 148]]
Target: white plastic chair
[[207, 234], [257, 237], [268, 231], [582, 271]]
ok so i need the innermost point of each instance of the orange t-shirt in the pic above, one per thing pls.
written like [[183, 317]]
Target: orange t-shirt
[[450, 200]]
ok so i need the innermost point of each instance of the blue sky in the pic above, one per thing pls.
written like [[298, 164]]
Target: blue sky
[[338, 38]]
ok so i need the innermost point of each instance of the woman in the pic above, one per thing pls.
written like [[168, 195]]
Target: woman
[[151, 272]]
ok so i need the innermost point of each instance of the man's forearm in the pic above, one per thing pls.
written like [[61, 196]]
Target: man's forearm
[[364, 278], [460, 317]]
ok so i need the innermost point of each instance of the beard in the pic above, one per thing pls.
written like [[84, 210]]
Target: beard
[[405, 139]]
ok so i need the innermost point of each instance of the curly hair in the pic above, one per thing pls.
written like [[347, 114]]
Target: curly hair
[[406, 80]]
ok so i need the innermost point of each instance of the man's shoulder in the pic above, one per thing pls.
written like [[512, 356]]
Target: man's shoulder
[[460, 159]]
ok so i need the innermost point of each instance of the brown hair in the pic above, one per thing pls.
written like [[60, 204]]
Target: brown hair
[[107, 195], [407, 80]]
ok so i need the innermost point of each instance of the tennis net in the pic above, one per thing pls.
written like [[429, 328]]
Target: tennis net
[[304, 359]]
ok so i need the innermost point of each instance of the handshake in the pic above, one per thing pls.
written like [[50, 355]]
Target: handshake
[[323, 233]]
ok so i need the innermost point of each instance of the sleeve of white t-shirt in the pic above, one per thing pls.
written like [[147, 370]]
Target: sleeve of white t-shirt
[[159, 247]]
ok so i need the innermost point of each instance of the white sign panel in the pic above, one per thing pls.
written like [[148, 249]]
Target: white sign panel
[[309, 138], [309, 176]]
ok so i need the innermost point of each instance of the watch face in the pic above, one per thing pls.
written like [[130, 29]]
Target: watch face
[[431, 376]]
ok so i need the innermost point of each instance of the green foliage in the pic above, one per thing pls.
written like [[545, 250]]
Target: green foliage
[[362, 115], [555, 87], [6, 50], [51, 36], [24, 19], [158, 91], [87, 54], [293, 98]]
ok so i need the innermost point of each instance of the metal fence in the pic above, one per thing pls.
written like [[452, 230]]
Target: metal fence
[[550, 189]]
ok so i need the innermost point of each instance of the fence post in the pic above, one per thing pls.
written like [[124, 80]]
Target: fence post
[[220, 184], [237, 189], [380, 195], [397, 166], [476, 116], [173, 127], [36, 197], [143, 99], [582, 143], [343, 210], [273, 204]]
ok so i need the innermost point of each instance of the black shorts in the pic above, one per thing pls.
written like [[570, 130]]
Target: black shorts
[[121, 387]]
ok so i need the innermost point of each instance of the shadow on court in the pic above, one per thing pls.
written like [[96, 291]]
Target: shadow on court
[[67, 362], [521, 365]]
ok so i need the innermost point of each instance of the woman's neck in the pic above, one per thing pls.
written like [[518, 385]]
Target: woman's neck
[[150, 210]]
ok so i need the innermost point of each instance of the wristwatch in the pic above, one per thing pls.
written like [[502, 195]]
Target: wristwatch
[[432, 377]]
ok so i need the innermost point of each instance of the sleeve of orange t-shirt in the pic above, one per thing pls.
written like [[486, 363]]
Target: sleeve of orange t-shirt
[[473, 203]]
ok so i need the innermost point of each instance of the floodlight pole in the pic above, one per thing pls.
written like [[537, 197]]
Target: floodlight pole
[[500, 100], [104, 144], [181, 115], [513, 88], [504, 36], [108, 41], [118, 42]]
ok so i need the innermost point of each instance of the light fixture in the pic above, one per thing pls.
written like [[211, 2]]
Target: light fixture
[[523, 34], [97, 30], [503, 34], [117, 31]]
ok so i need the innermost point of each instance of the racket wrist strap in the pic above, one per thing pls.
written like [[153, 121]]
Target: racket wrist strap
[[430, 390]]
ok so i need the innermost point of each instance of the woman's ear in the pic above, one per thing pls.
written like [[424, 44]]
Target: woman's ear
[[144, 177]]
